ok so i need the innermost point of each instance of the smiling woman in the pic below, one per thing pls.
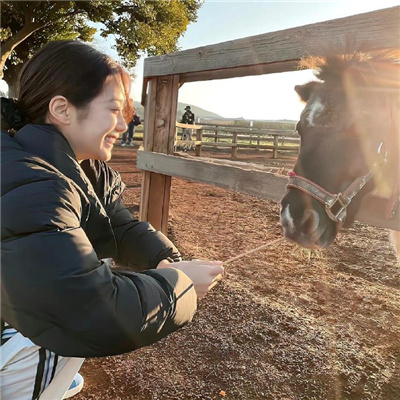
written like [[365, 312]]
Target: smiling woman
[[92, 132], [63, 220]]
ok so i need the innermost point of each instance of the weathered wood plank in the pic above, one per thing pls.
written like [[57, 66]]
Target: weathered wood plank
[[248, 146], [239, 72], [250, 179], [187, 142], [262, 138], [173, 114], [149, 117], [244, 131], [277, 51], [164, 128], [188, 126], [212, 125], [218, 144], [159, 136]]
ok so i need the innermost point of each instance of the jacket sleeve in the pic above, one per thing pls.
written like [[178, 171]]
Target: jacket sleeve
[[139, 245], [56, 292]]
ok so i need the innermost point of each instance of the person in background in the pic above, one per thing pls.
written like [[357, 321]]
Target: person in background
[[187, 118], [128, 134], [63, 219]]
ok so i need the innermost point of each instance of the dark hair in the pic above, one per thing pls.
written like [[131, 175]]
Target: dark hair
[[68, 68]]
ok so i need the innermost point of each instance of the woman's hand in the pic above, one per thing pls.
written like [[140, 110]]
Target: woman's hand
[[204, 274]]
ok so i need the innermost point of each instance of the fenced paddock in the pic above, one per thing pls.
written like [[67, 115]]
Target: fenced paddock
[[231, 138], [235, 138], [262, 54]]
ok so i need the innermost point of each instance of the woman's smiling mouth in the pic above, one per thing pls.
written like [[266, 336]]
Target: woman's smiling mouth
[[110, 139]]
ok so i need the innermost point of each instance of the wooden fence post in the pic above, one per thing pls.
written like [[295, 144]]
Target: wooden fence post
[[275, 150], [199, 137], [234, 147], [159, 136]]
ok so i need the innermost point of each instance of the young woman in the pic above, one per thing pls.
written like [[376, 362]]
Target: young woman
[[63, 217]]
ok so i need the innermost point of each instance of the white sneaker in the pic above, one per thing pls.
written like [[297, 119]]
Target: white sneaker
[[123, 144], [75, 387], [130, 144]]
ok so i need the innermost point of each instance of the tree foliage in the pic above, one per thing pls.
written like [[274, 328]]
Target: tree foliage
[[138, 26]]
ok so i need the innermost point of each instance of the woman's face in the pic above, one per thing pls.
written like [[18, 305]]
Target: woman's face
[[95, 129]]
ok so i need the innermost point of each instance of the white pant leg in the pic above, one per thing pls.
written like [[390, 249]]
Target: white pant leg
[[63, 378], [27, 368]]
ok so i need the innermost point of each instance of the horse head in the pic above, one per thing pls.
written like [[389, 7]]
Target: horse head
[[349, 145]]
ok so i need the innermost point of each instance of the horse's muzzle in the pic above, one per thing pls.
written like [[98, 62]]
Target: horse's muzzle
[[304, 221]]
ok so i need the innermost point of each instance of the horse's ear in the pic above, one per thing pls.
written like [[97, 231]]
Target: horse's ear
[[304, 91]]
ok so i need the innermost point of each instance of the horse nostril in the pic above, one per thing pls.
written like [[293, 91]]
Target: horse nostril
[[310, 221]]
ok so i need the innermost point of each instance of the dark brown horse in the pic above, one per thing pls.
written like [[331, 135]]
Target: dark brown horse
[[350, 145]]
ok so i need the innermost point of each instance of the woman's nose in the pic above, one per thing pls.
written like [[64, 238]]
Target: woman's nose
[[121, 124]]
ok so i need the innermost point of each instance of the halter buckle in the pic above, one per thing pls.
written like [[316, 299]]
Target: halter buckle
[[340, 203]]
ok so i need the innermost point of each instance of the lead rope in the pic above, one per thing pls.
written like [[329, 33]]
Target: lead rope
[[270, 243]]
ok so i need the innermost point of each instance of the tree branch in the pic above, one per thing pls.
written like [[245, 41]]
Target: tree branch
[[30, 27], [9, 45]]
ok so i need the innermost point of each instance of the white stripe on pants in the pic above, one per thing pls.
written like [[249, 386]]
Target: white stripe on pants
[[26, 367]]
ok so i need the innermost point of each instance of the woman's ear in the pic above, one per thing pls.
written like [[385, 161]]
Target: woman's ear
[[59, 111]]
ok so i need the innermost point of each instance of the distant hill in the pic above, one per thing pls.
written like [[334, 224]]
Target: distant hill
[[198, 112], [206, 116]]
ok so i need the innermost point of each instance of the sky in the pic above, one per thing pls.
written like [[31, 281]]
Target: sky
[[268, 96]]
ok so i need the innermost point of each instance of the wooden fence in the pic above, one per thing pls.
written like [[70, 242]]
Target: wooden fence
[[235, 138], [267, 53]]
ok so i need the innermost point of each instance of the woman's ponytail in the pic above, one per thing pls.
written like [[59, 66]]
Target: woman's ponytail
[[12, 118]]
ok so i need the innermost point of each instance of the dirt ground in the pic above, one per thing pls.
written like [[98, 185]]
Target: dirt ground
[[285, 323]]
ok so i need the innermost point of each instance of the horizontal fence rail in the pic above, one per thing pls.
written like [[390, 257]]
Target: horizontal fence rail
[[252, 179], [277, 51]]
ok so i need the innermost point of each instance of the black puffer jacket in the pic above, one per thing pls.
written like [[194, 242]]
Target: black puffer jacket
[[58, 219]]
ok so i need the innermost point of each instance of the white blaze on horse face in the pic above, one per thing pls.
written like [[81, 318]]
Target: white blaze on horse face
[[316, 109], [288, 219]]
